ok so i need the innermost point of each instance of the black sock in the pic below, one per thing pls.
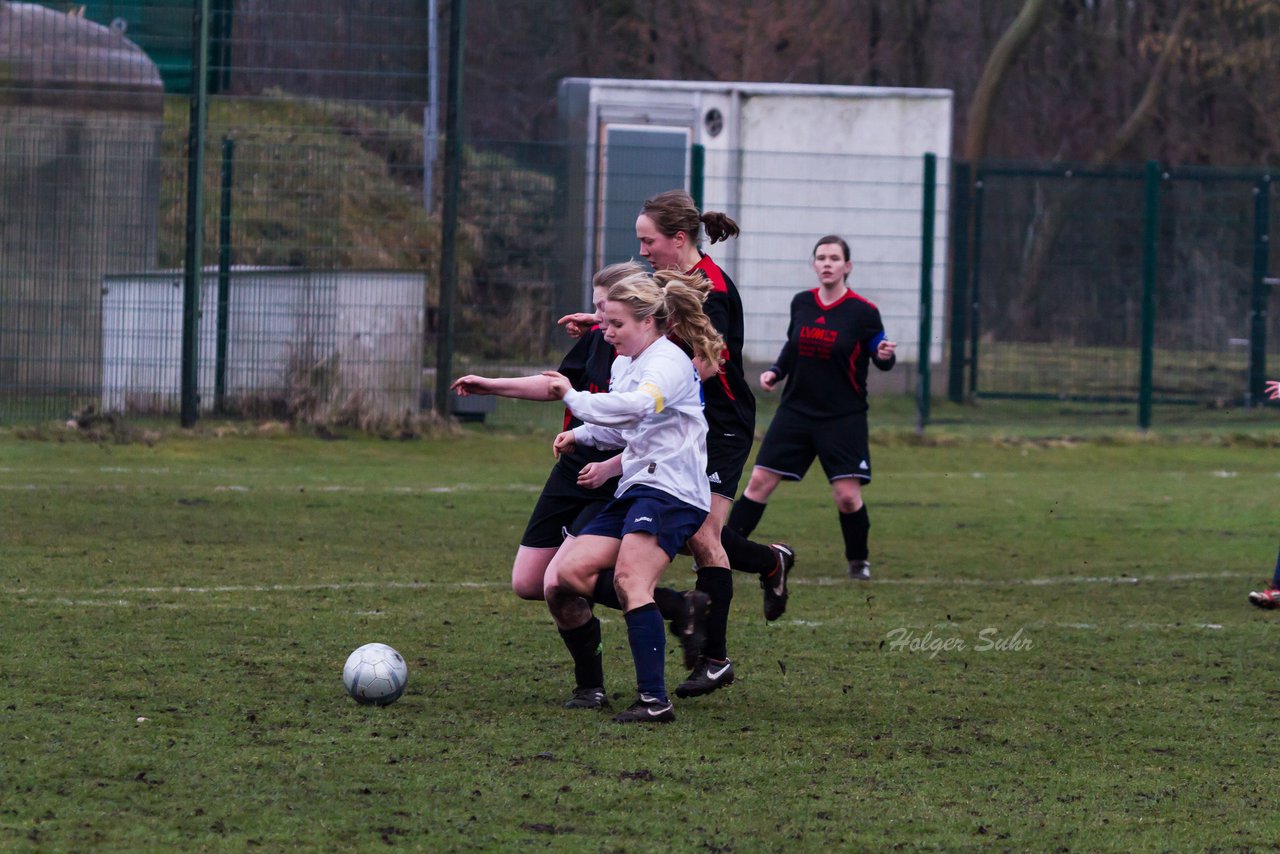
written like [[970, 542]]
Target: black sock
[[745, 515], [670, 603], [585, 648], [604, 594], [746, 555], [716, 582], [855, 527]]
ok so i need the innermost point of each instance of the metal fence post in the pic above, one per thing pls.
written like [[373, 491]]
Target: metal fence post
[[961, 189], [1259, 291], [1150, 234], [975, 283], [926, 286], [449, 213], [191, 274], [224, 276], [697, 173]]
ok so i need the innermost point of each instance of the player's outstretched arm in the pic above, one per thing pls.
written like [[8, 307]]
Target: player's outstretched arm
[[521, 388]]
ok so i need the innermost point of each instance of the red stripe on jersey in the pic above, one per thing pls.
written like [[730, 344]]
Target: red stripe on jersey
[[852, 368], [724, 381], [713, 273], [847, 295]]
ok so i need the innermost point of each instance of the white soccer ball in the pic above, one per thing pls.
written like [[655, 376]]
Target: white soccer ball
[[375, 674]]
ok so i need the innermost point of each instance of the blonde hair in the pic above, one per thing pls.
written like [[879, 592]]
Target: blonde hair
[[607, 277], [674, 301]]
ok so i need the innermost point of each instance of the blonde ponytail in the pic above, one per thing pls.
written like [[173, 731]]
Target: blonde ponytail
[[683, 297]]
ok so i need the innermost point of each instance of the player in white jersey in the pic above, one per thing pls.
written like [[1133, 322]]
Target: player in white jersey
[[653, 410]]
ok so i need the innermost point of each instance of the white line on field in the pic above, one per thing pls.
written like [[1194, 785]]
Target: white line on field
[[522, 488], [945, 628], [1034, 582], [180, 590], [261, 588]]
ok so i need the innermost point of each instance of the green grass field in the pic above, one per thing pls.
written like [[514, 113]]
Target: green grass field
[[1056, 653]]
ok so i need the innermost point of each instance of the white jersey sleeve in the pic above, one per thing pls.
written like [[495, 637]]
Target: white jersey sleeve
[[594, 436]]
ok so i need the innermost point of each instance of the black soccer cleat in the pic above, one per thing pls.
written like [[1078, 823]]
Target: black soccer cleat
[[587, 698], [707, 676], [774, 585], [690, 628], [647, 710], [860, 570]]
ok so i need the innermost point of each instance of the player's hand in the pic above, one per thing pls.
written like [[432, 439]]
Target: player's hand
[[577, 324], [593, 475], [885, 351], [564, 443], [705, 371], [768, 380], [470, 384], [558, 384], [1272, 389]]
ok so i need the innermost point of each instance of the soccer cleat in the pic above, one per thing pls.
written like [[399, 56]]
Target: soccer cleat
[[691, 626], [860, 570], [775, 584], [707, 676], [647, 710], [587, 698], [1269, 598]]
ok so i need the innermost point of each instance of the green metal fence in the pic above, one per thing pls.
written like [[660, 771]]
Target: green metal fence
[[1146, 285], [317, 292]]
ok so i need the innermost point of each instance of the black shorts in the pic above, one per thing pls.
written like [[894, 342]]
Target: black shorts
[[839, 443], [563, 508], [727, 456]]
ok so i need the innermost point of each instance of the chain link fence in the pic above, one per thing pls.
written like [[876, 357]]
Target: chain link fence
[[318, 296]]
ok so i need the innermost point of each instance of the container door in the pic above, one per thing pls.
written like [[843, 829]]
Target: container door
[[636, 162]]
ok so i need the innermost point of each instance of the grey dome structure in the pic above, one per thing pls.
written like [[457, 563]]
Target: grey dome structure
[[81, 114]]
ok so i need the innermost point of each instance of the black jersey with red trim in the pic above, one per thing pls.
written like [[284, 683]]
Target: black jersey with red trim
[[827, 352], [730, 406], [587, 367]]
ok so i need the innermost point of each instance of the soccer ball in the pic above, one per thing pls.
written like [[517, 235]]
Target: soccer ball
[[375, 674]]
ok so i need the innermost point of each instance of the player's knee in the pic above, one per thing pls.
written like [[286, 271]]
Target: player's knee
[[528, 588], [849, 502]]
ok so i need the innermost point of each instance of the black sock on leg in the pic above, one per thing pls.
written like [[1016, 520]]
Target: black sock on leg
[[855, 527], [604, 594], [670, 603], [586, 650], [746, 555], [716, 582], [746, 515]]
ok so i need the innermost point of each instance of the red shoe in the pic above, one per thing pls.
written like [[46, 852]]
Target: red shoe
[[1269, 598]]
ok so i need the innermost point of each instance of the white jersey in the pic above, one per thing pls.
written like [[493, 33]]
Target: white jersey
[[654, 412]]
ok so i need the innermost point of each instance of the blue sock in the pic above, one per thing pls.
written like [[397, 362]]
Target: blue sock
[[648, 640], [1275, 579]]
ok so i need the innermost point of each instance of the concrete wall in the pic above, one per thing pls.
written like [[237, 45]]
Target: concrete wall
[[324, 342]]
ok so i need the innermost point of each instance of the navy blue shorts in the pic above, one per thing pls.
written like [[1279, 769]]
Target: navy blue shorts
[[563, 508], [643, 509], [839, 443]]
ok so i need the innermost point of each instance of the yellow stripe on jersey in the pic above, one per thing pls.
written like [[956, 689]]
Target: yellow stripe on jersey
[[654, 392]]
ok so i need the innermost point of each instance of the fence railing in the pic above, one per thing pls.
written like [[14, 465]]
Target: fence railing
[[320, 244]]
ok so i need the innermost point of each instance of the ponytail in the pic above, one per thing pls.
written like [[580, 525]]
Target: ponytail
[[682, 299]]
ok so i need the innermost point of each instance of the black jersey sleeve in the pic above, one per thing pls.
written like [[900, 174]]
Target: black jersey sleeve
[[785, 364], [876, 335]]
